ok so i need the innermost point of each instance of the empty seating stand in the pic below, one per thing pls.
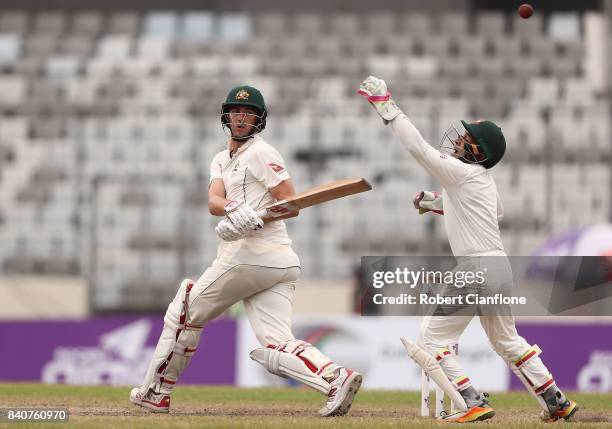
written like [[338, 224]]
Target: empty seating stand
[[108, 121]]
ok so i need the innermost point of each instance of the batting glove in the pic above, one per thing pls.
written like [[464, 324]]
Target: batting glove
[[428, 201], [227, 231], [375, 90], [242, 216]]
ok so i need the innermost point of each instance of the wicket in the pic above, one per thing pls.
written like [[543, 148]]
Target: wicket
[[439, 393]]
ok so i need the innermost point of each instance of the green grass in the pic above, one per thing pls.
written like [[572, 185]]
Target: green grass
[[104, 407]]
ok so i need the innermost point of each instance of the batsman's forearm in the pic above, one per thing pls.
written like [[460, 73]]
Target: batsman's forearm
[[216, 205]]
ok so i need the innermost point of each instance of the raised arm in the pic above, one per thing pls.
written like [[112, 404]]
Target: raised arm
[[500, 209], [444, 168]]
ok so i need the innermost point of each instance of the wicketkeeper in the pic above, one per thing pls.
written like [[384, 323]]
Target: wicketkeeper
[[472, 209], [255, 263]]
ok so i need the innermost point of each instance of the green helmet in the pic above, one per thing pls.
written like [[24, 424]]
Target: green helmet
[[489, 138], [245, 95]]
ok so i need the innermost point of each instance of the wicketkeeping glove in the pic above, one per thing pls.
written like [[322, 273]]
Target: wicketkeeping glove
[[242, 216], [428, 201], [375, 90]]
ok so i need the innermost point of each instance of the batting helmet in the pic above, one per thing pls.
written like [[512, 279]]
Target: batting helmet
[[245, 95], [489, 138]]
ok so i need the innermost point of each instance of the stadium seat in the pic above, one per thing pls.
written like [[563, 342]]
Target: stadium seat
[[506, 46], [10, 48], [491, 24], [417, 24], [453, 24], [14, 21], [62, 67], [13, 89], [126, 23], [49, 23], [457, 68], [540, 48], [160, 24], [422, 66], [383, 65], [381, 24], [307, 24], [153, 48], [491, 67], [235, 27], [115, 47], [270, 24], [77, 45], [437, 46], [39, 46], [88, 24], [526, 68], [345, 24], [543, 91], [564, 27], [198, 26], [472, 48], [527, 28]]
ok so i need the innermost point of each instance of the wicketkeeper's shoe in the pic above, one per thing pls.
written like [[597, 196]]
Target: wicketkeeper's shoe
[[566, 411], [342, 392], [474, 414], [155, 402], [478, 411]]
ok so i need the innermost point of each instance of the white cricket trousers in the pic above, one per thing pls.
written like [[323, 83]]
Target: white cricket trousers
[[268, 299], [267, 293], [439, 332]]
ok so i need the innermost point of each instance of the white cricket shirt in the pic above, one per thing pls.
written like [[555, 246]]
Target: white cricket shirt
[[472, 208], [247, 176]]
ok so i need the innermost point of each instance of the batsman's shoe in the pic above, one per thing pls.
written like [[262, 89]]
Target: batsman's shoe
[[156, 402], [566, 411], [342, 392]]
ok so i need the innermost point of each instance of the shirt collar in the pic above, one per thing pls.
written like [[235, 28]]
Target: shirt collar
[[244, 145]]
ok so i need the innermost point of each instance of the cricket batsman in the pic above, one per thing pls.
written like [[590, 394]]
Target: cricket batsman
[[255, 263], [472, 209]]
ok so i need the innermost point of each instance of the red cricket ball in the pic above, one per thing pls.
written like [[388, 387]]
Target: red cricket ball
[[525, 10]]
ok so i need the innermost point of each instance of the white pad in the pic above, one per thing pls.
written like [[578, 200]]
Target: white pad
[[297, 360], [429, 364], [529, 387], [521, 368], [173, 354]]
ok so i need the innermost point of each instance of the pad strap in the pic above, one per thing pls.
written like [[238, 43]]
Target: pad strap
[[297, 360], [442, 354], [533, 352], [543, 388], [462, 382], [183, 350], [185, 310]]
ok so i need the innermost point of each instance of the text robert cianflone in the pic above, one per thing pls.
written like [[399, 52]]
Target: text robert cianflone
[[411, 278], [468, 299]]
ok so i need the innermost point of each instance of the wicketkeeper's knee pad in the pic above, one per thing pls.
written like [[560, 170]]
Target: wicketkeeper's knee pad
[[297, 360]]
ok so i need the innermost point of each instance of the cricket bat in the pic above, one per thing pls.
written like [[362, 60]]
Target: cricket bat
[[290, 207]]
